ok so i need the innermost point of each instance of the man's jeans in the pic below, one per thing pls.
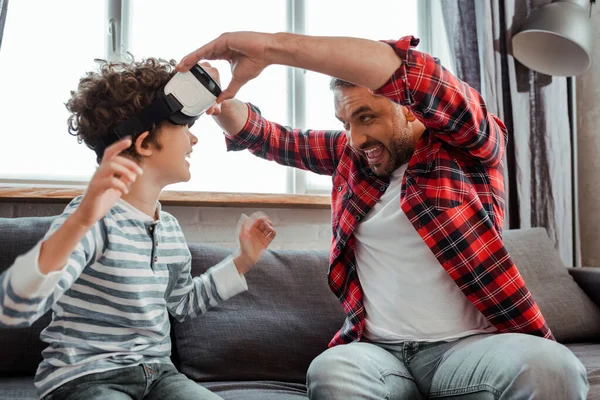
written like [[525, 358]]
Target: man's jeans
[[146, 381], [491, 366]]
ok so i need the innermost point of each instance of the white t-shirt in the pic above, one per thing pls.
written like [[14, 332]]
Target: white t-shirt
[[408, 296]]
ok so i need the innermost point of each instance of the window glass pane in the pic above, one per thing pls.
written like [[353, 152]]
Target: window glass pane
[[376, 20], [173, 31], [47, 46]]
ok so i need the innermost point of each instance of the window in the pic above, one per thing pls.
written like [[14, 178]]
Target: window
[[174, 31], [390, 19], [33, 126], [41, 60]]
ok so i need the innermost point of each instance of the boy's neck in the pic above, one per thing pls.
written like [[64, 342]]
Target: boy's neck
[[144, 197]]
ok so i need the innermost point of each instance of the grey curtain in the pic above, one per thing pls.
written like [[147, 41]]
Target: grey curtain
[[3, 8], [534, 107]]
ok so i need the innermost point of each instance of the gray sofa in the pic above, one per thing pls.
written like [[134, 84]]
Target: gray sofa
[[259, 344]]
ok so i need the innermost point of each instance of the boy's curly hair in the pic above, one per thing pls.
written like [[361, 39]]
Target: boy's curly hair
[[115, 93]]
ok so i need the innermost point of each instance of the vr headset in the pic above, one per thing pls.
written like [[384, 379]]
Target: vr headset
[[183, 100]]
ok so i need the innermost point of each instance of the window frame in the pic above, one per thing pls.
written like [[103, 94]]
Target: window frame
[[117, 34]]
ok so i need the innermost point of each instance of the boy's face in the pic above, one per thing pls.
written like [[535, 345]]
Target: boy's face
[[169, 163]]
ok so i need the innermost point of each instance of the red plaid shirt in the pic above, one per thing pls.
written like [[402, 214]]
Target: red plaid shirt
[[452, 192]]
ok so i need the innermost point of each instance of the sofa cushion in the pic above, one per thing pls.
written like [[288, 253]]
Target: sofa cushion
[[271, 332], [18, 389], [589, 355], [258, 390], [569, 312], [21, 348]]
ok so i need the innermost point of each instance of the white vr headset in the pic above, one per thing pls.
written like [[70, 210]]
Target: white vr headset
[[183, 100]]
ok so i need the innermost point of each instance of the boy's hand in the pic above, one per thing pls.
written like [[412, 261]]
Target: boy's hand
[[215, 109], [112, 179], [256, 234]]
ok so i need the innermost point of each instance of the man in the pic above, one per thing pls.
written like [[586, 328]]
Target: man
[[435, 306]]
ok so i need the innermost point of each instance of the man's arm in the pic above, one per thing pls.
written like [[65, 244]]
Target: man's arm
[[363, 62], [313, 150], [440, 100], [452, 109]]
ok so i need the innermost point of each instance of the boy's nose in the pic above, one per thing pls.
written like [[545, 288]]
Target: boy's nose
[[193, 138]]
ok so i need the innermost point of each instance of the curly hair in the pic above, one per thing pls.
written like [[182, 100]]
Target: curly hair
[[115, 93]]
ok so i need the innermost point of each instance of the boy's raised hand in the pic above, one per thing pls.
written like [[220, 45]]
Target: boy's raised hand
[[256, 233], [112, 179]]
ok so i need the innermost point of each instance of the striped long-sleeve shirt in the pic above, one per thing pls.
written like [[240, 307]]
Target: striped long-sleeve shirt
[[110, 302]]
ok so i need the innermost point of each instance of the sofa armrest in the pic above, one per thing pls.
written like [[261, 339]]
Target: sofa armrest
[[588, 278]]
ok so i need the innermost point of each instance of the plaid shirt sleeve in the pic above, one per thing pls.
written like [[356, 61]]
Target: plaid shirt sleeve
[[316, 151], [449, 107]]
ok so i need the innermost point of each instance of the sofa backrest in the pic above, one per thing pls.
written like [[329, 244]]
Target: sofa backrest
[[271, 332], [21, 348], [569, 312], [275, 329], [289, 314]]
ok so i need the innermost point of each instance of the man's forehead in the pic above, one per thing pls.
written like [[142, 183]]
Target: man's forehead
[[348, 103]]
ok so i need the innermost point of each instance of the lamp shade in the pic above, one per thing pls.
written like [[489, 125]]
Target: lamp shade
[[556, 39]]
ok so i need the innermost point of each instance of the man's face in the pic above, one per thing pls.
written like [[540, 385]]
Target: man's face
[[376, 127]]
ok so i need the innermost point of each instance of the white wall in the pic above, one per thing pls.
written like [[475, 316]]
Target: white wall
[[296, 228], [588, 144]]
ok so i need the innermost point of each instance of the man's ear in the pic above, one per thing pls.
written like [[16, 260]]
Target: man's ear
[[408, 114], [142, 148]]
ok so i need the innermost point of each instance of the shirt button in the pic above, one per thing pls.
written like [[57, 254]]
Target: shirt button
[[339, 188], [155, 259], [357, 217], [150, 228], [382, 188], [338, 247]]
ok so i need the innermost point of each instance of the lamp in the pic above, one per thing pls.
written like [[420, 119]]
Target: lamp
[[556, 39]]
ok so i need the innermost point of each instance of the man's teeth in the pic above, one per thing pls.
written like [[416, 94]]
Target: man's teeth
[[372, 150]]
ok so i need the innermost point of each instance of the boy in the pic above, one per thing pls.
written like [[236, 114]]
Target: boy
[[113, 265]]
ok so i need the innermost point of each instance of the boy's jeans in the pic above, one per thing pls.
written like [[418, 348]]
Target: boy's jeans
[[482, 367], [146, 381]]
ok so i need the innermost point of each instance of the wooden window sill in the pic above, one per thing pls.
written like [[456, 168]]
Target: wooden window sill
[[177, 198]]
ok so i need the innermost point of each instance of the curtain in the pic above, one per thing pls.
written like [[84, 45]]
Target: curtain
[[534, 107], [3, 8]]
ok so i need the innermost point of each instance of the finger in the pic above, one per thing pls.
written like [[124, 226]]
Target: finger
[[120, 171], [114, 149], [130, 164], [233, 88], [206, 52], [214, 110], [270, 234], [115, 183], [260, 222]]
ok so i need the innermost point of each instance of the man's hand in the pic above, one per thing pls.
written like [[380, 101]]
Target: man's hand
[[256, 234], [362, 62], [245, 51], [112, 179]]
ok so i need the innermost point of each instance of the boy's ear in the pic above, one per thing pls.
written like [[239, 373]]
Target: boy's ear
[[142, 148]]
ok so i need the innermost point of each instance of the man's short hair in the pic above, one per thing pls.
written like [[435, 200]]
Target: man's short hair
[[337, 83]]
